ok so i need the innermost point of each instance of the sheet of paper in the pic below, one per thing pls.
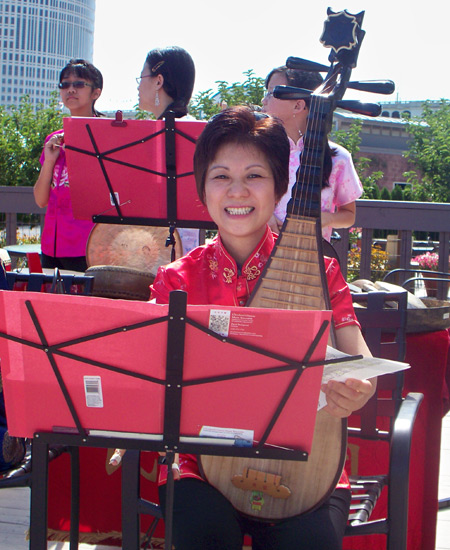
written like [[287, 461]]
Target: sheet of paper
[[361, 369]]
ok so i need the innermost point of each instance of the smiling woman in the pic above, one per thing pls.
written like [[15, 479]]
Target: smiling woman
[[64, 238], [241, 170]]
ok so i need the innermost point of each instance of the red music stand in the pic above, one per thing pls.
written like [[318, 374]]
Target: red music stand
[[137, 172], [51, 344]]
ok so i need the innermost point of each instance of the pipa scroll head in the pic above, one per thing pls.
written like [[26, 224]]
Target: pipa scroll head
[[343, 34]]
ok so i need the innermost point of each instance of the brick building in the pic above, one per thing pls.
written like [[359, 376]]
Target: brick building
[[384, 139]]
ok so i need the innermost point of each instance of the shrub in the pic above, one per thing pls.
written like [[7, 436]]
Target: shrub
[[378, 263]]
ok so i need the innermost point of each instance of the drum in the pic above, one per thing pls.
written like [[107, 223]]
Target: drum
[[124, 259]]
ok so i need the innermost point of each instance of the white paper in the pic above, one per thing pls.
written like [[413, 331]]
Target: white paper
[[360, 369], [227, 433]]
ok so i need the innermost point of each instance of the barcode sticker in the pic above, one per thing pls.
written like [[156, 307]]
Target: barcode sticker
[[219, 321], [93, 391]]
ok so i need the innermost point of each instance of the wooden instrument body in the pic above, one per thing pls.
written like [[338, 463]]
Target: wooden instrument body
[[292, 279], [310, 482]]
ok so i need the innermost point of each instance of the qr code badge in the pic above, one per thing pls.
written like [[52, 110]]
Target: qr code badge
[[219, 321]]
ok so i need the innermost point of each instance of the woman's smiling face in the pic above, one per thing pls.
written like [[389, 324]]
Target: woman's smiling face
[[240, 196]]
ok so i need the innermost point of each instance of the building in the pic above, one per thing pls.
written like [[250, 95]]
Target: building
[[384, 141], [37, 38], [399, 109]]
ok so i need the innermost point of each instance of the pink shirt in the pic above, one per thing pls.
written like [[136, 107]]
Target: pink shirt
[[210, 275], [63, 236], [344, 185]]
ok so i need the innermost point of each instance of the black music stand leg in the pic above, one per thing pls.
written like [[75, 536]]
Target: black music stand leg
[[168, 518], [74, 497], [38, 502], [130, 500]]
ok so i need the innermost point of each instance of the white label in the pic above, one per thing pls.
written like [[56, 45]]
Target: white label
[[93, 391], [227, 433], [112, 200], [219, 321]]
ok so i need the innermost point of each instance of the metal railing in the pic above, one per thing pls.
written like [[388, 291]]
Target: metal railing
[[17, 200], [401, 216]]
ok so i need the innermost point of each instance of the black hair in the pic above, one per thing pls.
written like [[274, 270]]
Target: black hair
[[299, 79], [178, 69], [87, 71], [242, 126]]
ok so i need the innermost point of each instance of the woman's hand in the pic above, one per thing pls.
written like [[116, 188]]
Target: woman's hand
[[53, 147], [343, 398], [175, 465], [43, 184]]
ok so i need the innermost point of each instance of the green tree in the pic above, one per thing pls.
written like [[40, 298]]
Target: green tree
[[140, 114], [397, 193], [407, 193], [372, 192], [385, 194], [23, 130], [429, 153], [206, 104], [351, 140]]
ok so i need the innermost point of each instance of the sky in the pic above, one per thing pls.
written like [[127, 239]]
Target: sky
[[406, 41]]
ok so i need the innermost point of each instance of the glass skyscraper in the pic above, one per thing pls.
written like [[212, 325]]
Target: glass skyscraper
[[37, 38]]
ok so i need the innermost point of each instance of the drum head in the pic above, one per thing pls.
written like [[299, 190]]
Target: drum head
[[136, 246]]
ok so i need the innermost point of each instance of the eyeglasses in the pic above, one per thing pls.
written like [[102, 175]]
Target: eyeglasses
[[139, 78], [259, 115], [78, 84], [268, 94]]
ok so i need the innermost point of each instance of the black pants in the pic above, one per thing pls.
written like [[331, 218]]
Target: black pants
[[77, 263], [203, 519]]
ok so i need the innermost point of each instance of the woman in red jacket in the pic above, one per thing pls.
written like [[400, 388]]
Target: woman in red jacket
[[241, 169]]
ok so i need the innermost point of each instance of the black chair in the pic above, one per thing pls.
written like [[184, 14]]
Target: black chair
[[61, 283], [407, 278], [383, 321], [329, 250]]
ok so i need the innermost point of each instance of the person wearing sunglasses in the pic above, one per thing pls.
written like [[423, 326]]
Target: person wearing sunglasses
[[341, 185], [63, 240]]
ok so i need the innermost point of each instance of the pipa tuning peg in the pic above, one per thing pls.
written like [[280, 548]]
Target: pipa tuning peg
[[290, 92], [367, 109], [385, 87], [305, 65]]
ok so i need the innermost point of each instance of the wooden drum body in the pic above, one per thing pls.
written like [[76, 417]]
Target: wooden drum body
[[124, 259]]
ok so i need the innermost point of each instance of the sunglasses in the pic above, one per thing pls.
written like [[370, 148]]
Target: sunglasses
[[78, 84]]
